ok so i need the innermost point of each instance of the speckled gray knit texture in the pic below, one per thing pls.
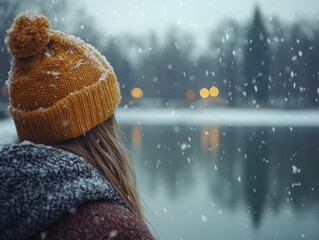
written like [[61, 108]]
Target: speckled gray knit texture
[[40, 183]]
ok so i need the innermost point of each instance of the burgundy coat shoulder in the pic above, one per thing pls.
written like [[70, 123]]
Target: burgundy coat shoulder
[[49, 193], [96, 220]]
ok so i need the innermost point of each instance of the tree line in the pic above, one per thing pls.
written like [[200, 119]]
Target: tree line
[[265, 63]]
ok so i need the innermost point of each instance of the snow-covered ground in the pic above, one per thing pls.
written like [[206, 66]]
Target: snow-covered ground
[[7, 131], [218, 116]]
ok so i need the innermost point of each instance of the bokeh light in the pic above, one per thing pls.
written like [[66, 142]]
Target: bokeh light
[[214, 91], [204, 93], [137, 93], [190, 95]]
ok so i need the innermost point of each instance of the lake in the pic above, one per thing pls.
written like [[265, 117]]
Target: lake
[[223, 181], [219, 182]]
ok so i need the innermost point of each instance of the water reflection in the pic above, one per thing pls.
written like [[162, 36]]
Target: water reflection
[[259, 170], [256, 171], [136, 137]]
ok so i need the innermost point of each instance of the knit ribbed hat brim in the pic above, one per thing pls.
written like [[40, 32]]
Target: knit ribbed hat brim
[[70, 117]]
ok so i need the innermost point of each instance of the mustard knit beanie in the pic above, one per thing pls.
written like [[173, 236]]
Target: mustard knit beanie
[[59, 86]]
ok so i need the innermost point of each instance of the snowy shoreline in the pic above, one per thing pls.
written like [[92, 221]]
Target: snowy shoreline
[[218, 116], [198, 117]]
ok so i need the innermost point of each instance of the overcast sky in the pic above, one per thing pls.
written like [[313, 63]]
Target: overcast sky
[[198, 16]]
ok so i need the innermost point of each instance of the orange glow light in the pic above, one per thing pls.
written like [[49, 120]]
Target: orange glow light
[[213, 91], [137, 93], [190, 95], [204, 93]]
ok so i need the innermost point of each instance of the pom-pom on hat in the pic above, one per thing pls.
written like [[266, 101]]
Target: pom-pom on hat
[[29, 35], [60, 87]]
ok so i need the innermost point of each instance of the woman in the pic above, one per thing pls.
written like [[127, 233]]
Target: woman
[[69, 177]]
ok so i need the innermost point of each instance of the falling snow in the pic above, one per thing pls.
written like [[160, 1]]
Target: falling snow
[[53, 73], [295, 169]]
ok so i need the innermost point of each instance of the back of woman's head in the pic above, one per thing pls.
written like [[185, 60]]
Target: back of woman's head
[[63, 92]]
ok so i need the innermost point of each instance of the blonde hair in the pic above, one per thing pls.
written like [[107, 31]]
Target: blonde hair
[[102, 148]]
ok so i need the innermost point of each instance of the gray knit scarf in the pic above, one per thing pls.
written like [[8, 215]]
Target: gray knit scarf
[[40, 183]]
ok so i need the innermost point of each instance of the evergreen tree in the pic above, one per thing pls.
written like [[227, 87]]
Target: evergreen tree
[[314, 69], [227, 40], [257, 63]]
